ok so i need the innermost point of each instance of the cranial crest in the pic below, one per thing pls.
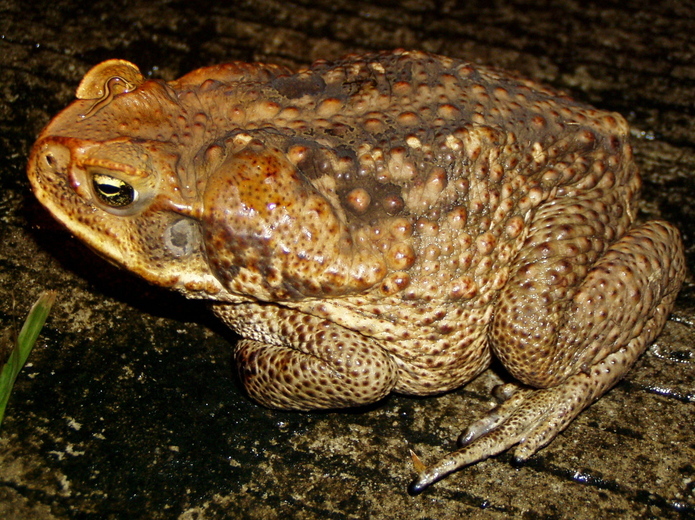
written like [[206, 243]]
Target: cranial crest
[[106, 80]]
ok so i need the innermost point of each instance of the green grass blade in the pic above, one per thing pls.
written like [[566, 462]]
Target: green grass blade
[[25, 342]]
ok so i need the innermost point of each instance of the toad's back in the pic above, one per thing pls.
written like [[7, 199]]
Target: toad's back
[[434, 166]]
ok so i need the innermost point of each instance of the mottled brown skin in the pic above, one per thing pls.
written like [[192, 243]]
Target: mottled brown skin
[[387, 222]]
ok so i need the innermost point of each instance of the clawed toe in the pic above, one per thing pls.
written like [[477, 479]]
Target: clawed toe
[[528, 418]]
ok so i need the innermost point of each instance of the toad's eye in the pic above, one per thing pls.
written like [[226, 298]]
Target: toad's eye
[[112, 191]]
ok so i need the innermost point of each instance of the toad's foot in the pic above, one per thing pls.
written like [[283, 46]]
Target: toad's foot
[[527, 418]]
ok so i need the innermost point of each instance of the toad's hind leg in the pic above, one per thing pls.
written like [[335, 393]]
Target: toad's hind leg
[[294, 361], [546, 331], [574, 344]]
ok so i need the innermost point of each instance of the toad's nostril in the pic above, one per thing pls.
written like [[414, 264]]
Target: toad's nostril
[[56, 157]]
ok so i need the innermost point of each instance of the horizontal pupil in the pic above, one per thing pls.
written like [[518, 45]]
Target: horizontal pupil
[[109, 189], [114, 192]]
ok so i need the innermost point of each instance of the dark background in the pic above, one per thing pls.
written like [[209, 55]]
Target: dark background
[[129, 409]]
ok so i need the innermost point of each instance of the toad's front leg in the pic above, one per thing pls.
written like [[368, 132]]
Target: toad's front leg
[[294, 361]]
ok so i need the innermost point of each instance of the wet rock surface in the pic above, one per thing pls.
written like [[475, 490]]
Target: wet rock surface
[[129, 407]]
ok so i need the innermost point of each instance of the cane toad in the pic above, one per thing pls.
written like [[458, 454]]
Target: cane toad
[[385, 222]]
